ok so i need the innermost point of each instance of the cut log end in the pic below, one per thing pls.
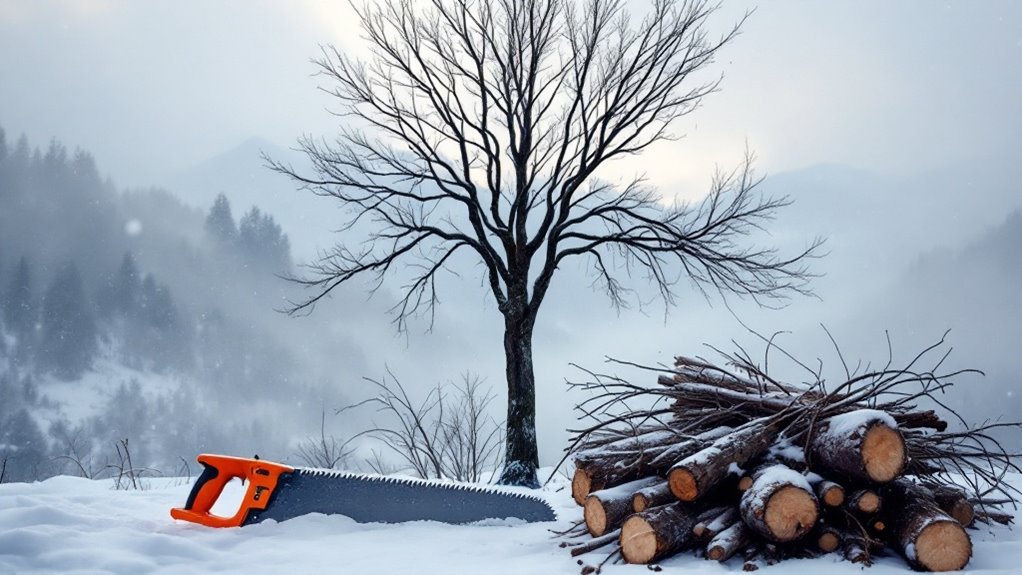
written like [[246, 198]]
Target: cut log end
[[745, 483], [790, 513], [683, 484], [867, 502], [595, 516], [883, 453], [638, 540], [828, 542], [943, 546], [963, 512], [581, 486], [639, 503], [832, 495]]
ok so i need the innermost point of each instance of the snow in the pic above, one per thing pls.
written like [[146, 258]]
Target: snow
[[847, 423], [77, 526]]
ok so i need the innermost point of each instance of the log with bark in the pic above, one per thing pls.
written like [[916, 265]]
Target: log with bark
[[658, 532], [928, 538], [652, 496], [780, 505], [829, 493], [633, 457], [697, 474], [863, 445], [604, 510], [728, 542], [864, 502]]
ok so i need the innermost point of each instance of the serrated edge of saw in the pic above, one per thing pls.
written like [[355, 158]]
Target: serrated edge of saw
[[314, 472]]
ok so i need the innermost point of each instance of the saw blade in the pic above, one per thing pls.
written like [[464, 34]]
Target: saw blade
[[377, 499]]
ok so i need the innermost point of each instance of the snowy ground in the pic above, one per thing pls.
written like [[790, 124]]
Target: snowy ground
[[71, 525]]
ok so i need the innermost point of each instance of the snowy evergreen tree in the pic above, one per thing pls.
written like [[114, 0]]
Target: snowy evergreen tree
[[156, 332], [69, 338], [263, 241], [120, 296], [24, 446], [220, 221], [19, 311]]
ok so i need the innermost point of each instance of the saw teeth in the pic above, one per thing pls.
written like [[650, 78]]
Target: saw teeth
[[415, 481]]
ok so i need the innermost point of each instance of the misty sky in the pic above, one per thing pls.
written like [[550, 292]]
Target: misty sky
[[155, 87]]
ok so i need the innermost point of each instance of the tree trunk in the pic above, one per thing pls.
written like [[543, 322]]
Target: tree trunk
[[521, 456]]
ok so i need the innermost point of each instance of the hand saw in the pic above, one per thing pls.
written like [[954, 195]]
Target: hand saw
[[281, 492]]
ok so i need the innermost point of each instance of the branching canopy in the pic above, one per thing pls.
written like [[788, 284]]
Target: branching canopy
[[481, 126]]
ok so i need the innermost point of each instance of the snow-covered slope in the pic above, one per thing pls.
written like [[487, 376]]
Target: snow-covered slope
[[70, 525]]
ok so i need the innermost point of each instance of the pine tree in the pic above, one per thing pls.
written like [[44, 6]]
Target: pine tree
[[19, 311], [263, 242], [220, 221], [121, 294], [156, 332], [69, 338], [24, 446]]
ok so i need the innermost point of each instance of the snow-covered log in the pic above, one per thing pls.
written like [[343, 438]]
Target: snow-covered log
[[728, 542], [780, 505], [928, 538], [604, 510], [652, 496], [863, 446], [696, 475]]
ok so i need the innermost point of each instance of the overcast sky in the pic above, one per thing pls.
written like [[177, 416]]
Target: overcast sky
[[154, 87]]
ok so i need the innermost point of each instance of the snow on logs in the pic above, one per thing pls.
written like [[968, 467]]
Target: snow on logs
[[928, 538], [863, 446], [604, 510], [694, 476], [832, 482], [634, 456], [780, 505]]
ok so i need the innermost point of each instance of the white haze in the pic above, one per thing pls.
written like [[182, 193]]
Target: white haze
[[895, 127]]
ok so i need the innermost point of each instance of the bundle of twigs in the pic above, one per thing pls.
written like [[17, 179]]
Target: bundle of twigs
[[730, 461]]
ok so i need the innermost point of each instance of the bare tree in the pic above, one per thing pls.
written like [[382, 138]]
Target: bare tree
[[483, 127], [325, 451], [446, 435]]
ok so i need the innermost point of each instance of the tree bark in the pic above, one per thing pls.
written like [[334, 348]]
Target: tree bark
[[521, 456], [780, 504], [928, 538], [694, 476], [657, 533], [725, 544], [863, 446], [606, 509]]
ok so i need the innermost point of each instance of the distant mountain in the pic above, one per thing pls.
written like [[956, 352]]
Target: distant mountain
[[241, 174]]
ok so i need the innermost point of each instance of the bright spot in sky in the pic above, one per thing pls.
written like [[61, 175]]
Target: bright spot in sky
[[133, 227]]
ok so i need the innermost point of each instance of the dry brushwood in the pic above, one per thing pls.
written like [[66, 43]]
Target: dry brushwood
[[734, 462]]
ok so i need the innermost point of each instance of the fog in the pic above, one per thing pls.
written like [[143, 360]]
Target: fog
[[893, 126]]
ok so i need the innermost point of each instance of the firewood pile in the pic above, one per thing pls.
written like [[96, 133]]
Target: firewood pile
[[730, 463]]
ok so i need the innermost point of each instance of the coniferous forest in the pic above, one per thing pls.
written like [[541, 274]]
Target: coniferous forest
[[140, 298]]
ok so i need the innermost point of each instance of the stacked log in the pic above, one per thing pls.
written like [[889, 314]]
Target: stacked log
[[761, 471]]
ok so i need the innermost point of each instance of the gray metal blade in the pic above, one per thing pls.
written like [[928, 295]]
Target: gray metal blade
[[371, 499]]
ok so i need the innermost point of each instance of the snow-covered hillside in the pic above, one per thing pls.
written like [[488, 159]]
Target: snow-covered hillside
[[71, 525]]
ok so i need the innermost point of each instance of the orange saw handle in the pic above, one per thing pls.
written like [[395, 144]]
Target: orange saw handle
[[218, 470]]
